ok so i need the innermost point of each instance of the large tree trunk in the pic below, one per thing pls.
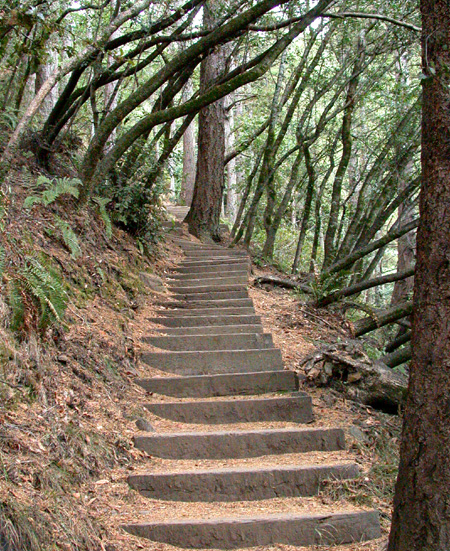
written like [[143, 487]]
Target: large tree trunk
[[188, 177], [421, 519], [204, 216]]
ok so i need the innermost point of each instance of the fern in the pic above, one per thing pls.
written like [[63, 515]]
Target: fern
[[2, 260], [102, 202], [69, 237], [35, 296], [43, 285], [53, 190], [16, 304]]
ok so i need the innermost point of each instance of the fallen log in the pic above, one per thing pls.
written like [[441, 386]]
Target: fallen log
[[346, 367], [398, 357], [398, 341], [363, 286], [380, 319], [285, 283], [353, 257]]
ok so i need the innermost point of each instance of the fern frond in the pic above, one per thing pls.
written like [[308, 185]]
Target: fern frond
[[69, 237], [54, 190], [15, 302], [102, 202], [41, 283], [2, 260]]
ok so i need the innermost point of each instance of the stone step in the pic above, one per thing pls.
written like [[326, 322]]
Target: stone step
[[241, 341], [211, 275], [211, 295], [218, 262], [232, 253], [241, 279], [212, 330], [213, 268], [239, 311], [247, 484], [218, 303], [190, 246], [215, 361], [239, 444], [202, 321], [268, 530], [234, 384], [190, 289], [292, 409], [199, 244]]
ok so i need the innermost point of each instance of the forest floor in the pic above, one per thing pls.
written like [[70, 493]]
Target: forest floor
[[68, 402]]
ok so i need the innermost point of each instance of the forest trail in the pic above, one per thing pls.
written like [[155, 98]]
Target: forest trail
[[242, 469]]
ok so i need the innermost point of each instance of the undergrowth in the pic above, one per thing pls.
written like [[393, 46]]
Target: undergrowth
[[69, 290]]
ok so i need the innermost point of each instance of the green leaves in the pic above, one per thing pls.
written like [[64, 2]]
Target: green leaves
[[36, 296], [69, 237], [54, 189]]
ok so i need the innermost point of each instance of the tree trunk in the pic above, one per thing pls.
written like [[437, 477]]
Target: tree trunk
[[188, 177], [272, 230], [362, 286], [233, 173], [406, 246], [43, 72], [380, 319], [204, 216], [346, 367], [421, 518], [333, 221], [375, 245], [306, 209], [398, 357]]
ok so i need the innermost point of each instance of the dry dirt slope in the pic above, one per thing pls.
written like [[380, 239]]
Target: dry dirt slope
[[68, 408]]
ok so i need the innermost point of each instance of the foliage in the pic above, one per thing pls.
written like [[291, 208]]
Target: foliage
[[102, 203], [35, 295], [69, 237], [34, 290], [52, 190]]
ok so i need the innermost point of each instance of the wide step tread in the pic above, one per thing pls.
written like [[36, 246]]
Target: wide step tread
[[212, 342], [208, 386], [235, 533], [293, 409], [215, 361], [247, 484], [240, 444]]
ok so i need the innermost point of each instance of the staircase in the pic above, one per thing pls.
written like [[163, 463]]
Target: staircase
[[223, 369]]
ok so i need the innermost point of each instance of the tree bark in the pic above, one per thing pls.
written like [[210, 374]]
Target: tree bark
[[421, 518], [333, 220], [204, 215], [346, 367], [398, 357], [398, 341], [380, 319], [363, 286], [306, 209], [375, 245], [188, 176]]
